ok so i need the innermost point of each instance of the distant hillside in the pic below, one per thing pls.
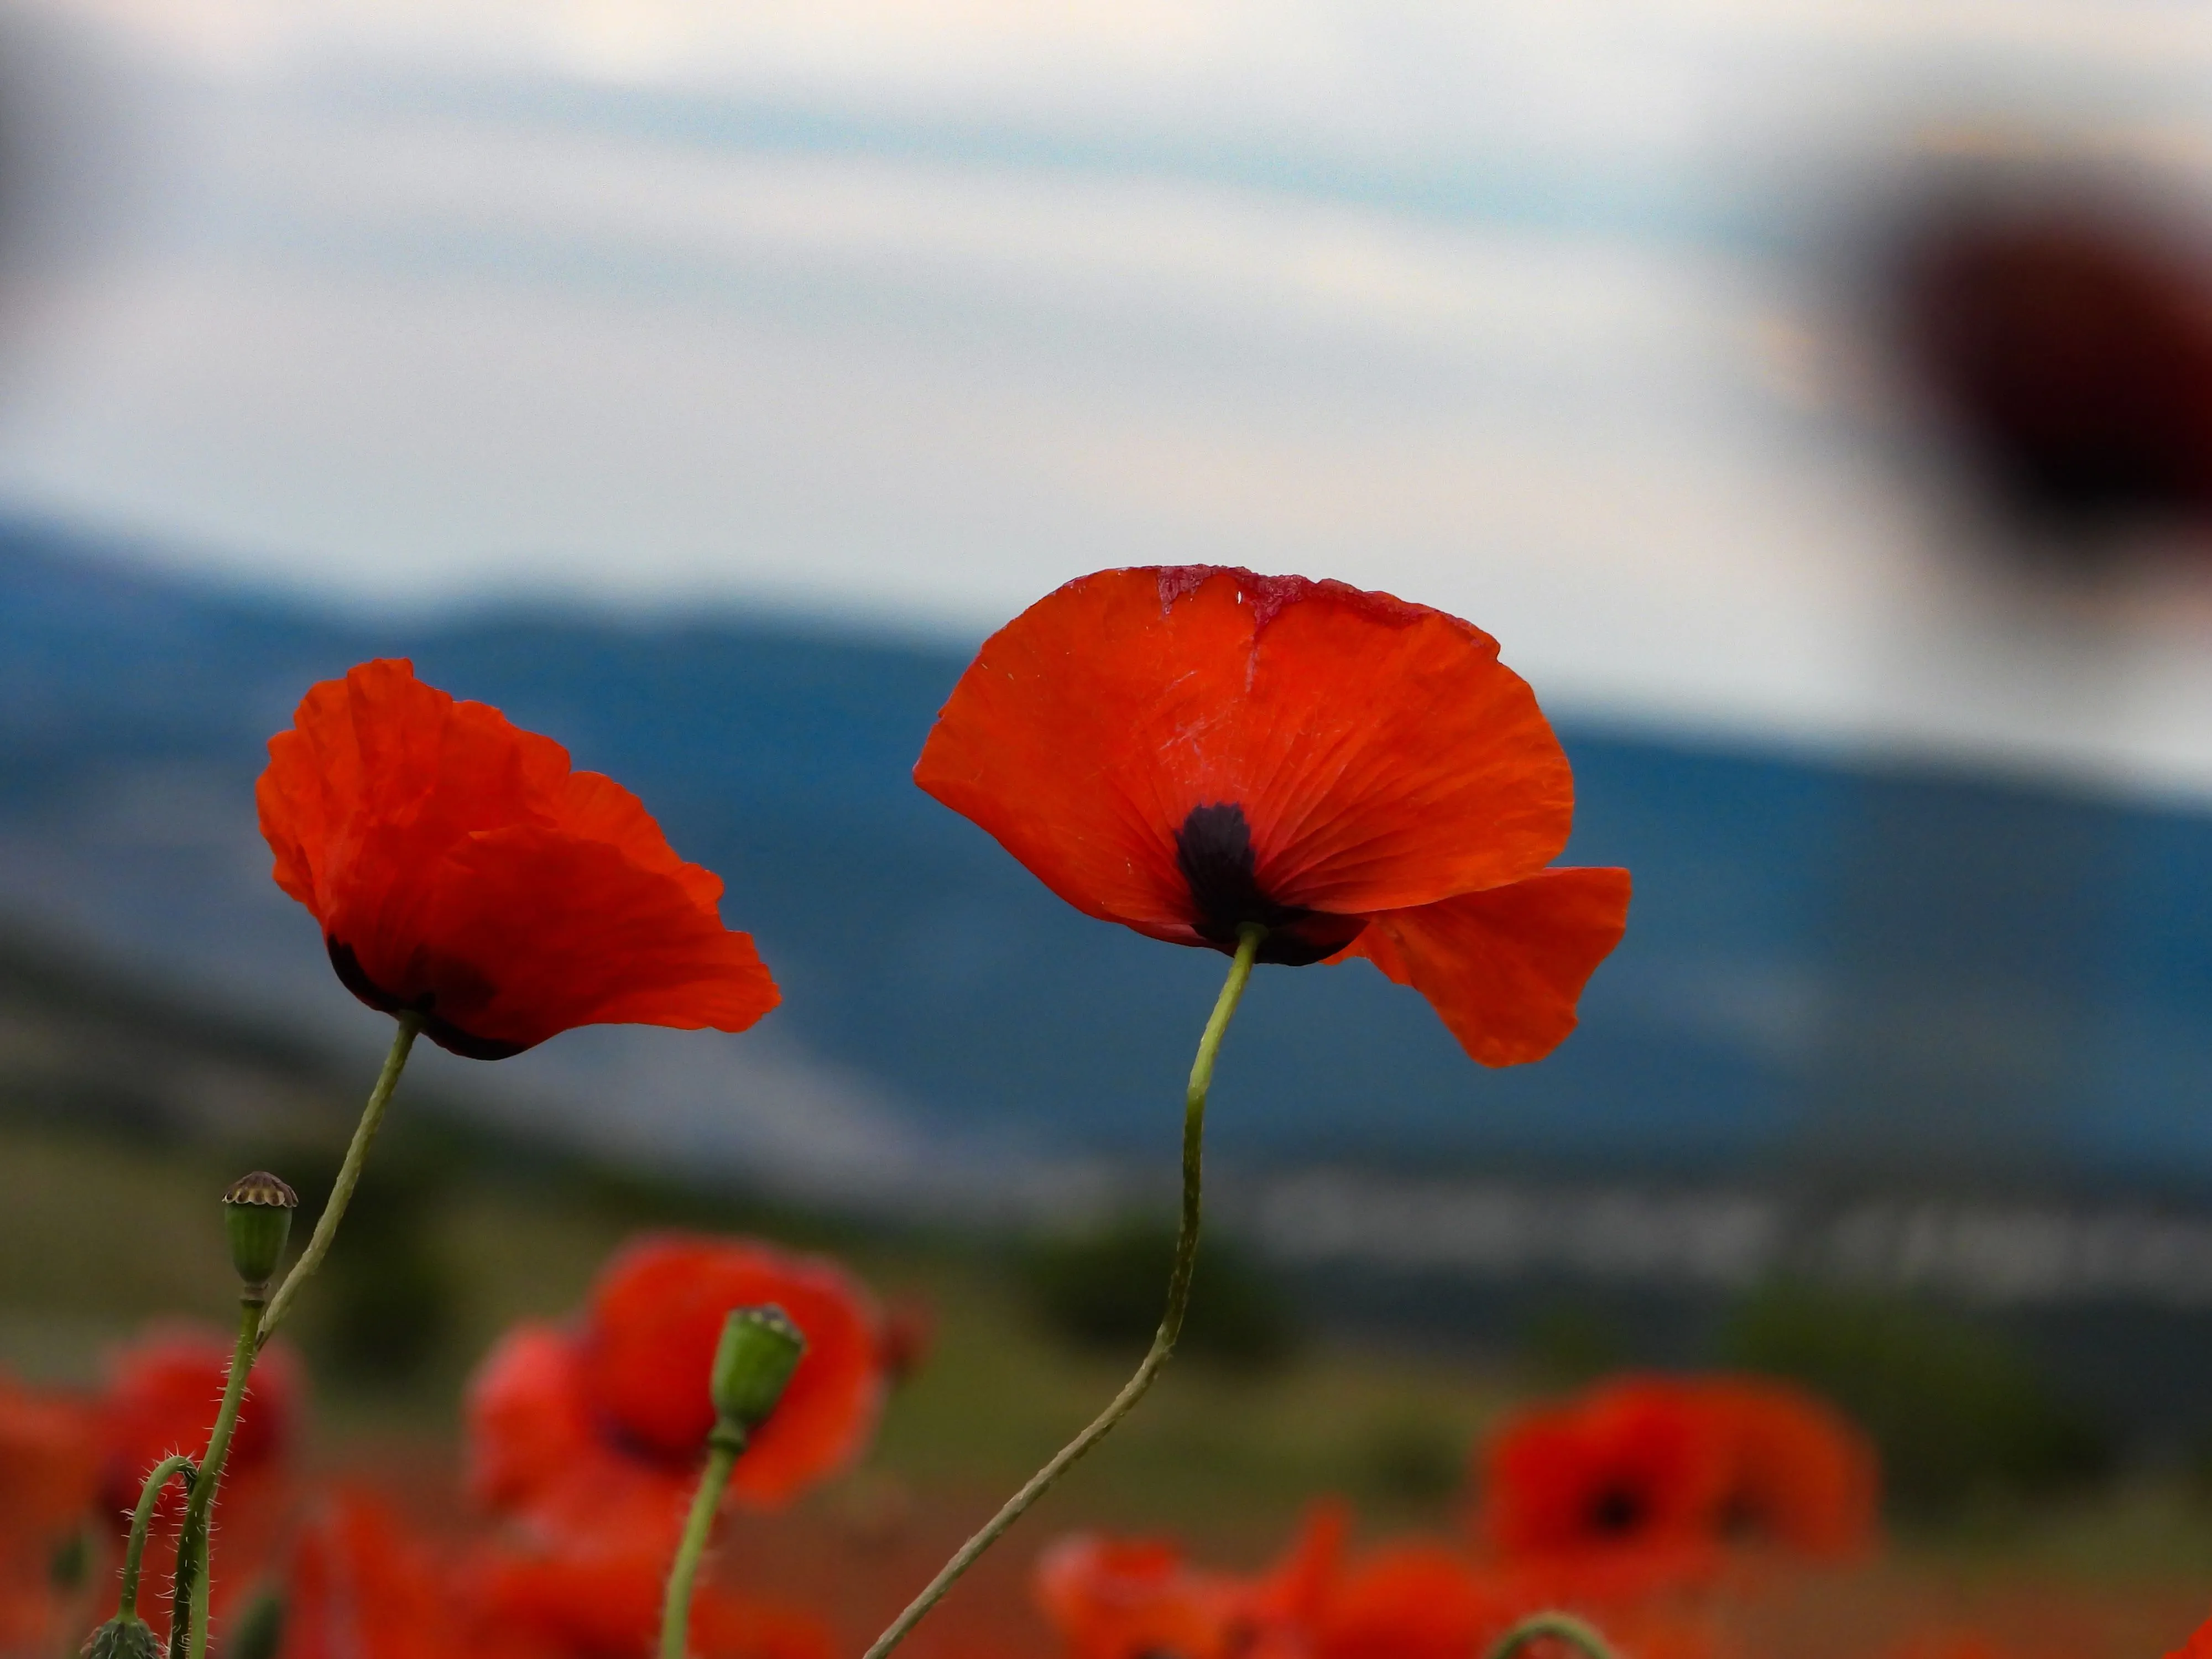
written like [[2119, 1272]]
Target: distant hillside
[[1833, 972]]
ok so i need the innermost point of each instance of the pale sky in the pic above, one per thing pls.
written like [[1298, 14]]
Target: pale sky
[[908, 312]]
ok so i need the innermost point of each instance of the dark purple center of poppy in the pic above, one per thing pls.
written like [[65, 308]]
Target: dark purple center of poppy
[[1213, 850], [1615, 1511], [443, 1032]]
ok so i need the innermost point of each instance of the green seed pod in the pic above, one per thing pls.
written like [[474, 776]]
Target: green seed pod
[[122, 1638], [257, 1212], [759, 1349]]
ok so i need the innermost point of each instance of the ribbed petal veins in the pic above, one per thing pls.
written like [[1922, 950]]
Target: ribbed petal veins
[[462, 871]]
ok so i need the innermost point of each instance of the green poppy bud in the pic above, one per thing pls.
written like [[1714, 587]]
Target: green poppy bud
[[257, 1212], [759, 1349], [122, 1638]]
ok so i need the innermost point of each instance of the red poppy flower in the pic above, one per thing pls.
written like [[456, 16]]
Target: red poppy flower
[[49, 1463], [2199, 1646], [1799, 1474], [1412, 1601], [573, 1425], [601, 1599], [1633, 1464], [1188, 749], [1128, 1598], [462, 872], [360, 1588], [162, 1394], [1141, 1599]]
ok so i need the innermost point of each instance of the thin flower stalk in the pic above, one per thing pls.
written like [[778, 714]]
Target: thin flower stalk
[[1250, 938], [356, 1156], [141, 1521], [192, 1585], [258, 1317], [723, 1450]]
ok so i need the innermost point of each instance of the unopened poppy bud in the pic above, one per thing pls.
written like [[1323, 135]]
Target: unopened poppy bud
[[122, 1638], [759, 1349], [257, 1212]]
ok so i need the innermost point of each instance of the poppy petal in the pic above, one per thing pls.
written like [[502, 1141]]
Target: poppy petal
[[379, 749], [527, 931], [596, 808], [1505, 969], [657, 1314], [526, 1420], [361, 1588], [1379, 754]]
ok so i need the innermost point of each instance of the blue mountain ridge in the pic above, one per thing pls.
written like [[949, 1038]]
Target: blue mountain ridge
[[1835, 971]]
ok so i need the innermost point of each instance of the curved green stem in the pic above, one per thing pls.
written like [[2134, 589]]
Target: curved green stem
[[134, 1552], [364, 1136], [1186, 1261], [1561, 1626], [722, 1450], [191, 1579]]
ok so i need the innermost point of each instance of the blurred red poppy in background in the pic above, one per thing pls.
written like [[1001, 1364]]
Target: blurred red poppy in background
[[2199, 1646], [1664, 1472], [1123, 1598], [602, 1600], [1415, 1599], [49, 1467], [163, 1391], [1631, 1465], [358, 1588], [462, 872], [1411, 1601], [1114, 1598], [577, 1426], [1188, 749], [1800, 1475], [162, 1394]]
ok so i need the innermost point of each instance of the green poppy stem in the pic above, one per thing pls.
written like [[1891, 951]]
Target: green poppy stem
[[1186, 1261], [364, 1136], [192, 1586], [258, 1317], [1560, 1627], [134, 1552], [723, 1449]]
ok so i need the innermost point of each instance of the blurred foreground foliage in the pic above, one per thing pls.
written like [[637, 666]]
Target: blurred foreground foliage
[[1961, 1413]]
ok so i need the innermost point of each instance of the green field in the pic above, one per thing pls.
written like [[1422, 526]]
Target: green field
[[98, 1234]]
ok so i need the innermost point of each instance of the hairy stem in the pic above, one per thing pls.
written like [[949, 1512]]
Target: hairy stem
[[364, 1136], [722, 1450], [1163, 1340], [191, 1579], [1560, 1627], [134, 1552]]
